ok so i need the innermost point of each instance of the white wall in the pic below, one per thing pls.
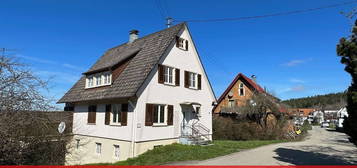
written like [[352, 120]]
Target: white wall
[[81, 127], [153, 92]]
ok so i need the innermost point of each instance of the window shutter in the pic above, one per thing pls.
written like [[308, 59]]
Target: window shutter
[[92, 114], [177, 41], [124, 114], [160, 73], [149, 114], [108, 109], [186, 79], [199, 81], [170, 115], [186, 45], [177, 77]]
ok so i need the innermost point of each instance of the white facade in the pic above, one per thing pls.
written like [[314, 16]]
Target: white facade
[[341, 114], [136, 138]]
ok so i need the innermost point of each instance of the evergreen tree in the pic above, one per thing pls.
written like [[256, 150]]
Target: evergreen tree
[[347, 50]]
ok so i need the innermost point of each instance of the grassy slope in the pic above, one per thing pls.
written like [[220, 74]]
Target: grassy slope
[[178, 152]]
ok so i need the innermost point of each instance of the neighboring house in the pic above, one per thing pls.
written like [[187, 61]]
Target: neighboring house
[[301, 114], [148, 92], [238, 93], [341, 114], [316, 116]]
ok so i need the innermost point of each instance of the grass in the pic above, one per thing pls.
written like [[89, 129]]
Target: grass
[[179, 152]]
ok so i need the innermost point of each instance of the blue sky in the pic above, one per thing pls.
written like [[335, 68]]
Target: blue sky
[[293, 56]]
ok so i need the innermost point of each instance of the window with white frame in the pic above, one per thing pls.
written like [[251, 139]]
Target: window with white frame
[[90, 81], [98, 148], [159, 115], [116, 114], [241, 89], [182, 43], [168, 75], [99, 79], [116, 151], [192, 80]]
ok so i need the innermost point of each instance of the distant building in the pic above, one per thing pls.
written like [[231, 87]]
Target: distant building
[[341, 114]]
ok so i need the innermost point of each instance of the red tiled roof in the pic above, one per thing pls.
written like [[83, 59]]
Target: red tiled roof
[[250, 82]]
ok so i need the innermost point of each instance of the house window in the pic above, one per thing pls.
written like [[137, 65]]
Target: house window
[[192, 80], [231, 103], [116, 114], [90, 82], [241, 89], [159, 115], [98, 148], [99, 79], [168, 75], [106, 79], [116, 151], [182, 43], [77, 143]]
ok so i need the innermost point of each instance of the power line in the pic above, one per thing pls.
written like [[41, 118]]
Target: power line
[[268, 15]]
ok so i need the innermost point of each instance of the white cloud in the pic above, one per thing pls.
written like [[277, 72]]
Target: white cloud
[[294, 80], [39, 60], [73, 67], [296, 62]]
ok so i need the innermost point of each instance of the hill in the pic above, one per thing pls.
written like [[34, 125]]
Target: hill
[[327, 101]]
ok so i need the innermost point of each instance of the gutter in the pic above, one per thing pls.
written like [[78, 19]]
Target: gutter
[[133, 132]]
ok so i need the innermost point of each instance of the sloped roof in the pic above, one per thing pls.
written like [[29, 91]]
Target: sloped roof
[[248, 81], [145, 52]]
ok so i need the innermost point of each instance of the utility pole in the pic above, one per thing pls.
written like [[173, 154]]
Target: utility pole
[[169, 22]]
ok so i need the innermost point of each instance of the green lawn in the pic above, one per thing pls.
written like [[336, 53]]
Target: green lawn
[[178, 152]]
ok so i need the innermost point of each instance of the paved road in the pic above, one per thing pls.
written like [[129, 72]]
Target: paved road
[[322, 147]]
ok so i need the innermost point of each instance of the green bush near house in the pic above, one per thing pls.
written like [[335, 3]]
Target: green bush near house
[[178, 152], [306, 126]]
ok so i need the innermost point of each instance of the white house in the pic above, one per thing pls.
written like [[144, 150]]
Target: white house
[[148, 92], [341, 114]]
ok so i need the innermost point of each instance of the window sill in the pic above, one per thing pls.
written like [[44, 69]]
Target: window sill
[[91, 124], [193, 88], [115, 124], [159, 125], [169, 84]]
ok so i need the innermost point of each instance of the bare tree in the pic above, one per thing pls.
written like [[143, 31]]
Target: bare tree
[[28, 132]]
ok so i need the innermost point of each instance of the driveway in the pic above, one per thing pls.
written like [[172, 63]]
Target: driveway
[[322, 147]]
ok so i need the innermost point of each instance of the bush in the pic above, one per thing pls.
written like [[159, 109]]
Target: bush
[[306, 126], [228, 128]]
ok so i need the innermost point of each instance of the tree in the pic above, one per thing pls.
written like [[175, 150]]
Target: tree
[[347, 50], [28, 133]]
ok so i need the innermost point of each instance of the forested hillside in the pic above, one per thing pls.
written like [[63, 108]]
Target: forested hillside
[[328, 101]]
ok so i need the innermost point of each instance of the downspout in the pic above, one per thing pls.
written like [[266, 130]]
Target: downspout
[[133, 132]]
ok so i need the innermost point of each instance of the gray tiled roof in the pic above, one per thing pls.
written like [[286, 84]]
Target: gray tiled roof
[[148, 49]]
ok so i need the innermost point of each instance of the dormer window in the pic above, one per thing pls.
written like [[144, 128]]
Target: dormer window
[[182, 43], [98, 79]]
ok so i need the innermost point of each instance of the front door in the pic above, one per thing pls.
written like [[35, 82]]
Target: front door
[[189, 117]]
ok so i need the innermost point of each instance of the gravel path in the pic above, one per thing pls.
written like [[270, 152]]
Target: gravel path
[[322, 147]]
